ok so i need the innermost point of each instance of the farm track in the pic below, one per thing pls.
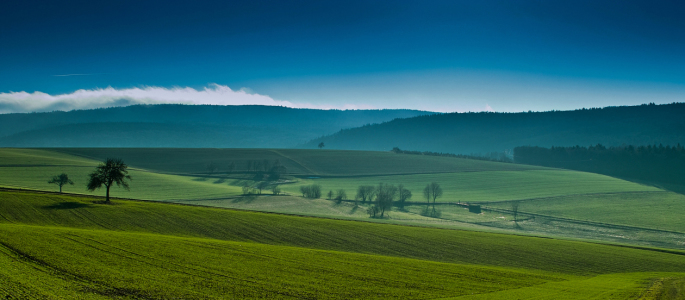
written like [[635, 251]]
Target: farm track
[[576, 221], [570, 195]]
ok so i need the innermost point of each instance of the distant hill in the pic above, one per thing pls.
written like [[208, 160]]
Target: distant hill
[[484, 132], [662, 166], [168, 125]]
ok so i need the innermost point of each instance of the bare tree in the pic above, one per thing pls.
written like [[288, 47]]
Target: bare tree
[[246, 188], [305, 190], [432, 191], [315, 190], [365, 192], [262, 185], [330, 195], [341, 195], [372, 211], [385, 195], [61, 180], [321, 145], [402, 195], [311, 191], [276, 190], [107, 173]]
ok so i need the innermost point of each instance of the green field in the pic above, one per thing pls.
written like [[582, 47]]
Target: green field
[[180, 175], [31, 169], [60, 246], [659, 210], [485, 186], [298, 162]]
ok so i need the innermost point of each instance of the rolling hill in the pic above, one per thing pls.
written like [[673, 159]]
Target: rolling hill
[[188, 126], [66, 247], [553, 202]]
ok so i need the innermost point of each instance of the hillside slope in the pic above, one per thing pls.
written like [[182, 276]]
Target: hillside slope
[[65, 247], [170, 125], [466, 133]]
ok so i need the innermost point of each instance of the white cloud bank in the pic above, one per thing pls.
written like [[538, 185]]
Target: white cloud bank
[[20, 102]]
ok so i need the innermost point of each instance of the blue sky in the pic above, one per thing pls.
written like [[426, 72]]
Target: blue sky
[[433, 55]]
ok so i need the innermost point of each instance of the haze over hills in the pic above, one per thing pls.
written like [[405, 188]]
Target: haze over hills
[[483, 132], [187, 126], [252, 126]]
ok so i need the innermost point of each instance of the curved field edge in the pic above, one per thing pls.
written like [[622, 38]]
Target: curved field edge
[[451, 246]]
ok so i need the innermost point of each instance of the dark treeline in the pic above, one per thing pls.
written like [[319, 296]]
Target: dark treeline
[[659, 165], [484, 132], [491, 156]]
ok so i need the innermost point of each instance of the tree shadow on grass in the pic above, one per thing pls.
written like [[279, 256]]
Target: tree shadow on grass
[[66, 205], [200, 179], [245, 199], [353, 210], [220, 180]]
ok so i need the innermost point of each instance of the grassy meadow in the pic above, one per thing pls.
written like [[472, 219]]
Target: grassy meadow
[[554, 195], [71, 247]]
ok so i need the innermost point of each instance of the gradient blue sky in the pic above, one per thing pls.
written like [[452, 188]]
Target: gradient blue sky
[[435, 55]]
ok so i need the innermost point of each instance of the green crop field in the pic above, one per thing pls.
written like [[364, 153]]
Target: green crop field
[[61, 246]]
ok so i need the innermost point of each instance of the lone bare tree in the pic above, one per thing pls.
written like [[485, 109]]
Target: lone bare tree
[[321, 145], [113, 170], [61, 180], [432, 191]]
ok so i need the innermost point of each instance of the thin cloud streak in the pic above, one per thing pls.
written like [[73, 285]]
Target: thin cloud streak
[[214, 94], [67, 75]]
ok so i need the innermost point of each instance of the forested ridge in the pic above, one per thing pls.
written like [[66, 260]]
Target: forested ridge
[[659, 165], [483, 132]]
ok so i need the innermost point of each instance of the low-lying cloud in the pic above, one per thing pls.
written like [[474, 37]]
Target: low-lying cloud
[[21, 102]]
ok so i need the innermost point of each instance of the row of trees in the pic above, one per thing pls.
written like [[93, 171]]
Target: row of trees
[[312, 191], [259, 187], [490, 156]]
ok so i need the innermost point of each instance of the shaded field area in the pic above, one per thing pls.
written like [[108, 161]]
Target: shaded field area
[[297, 161], [31, 169], [68, 247]]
